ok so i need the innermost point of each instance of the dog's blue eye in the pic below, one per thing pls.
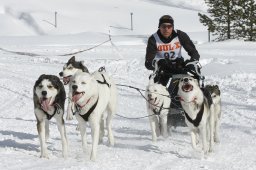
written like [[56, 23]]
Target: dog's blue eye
[[83, 83], [70, 68], [50, 87]]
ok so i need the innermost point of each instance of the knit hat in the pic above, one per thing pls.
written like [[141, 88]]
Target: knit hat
[[165, 19]]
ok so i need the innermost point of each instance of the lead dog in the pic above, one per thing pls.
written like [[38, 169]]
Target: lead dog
[[199, 112], [49, 98], [158, 103], [70, 69], [93, 94]]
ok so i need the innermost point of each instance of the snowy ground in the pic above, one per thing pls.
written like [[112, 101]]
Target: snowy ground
[[229, 64]]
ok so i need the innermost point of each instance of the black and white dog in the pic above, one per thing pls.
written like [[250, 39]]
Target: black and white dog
[[69, 70], [49, 98], [216, 101], [200, 112], [158, 104], [93, 94]]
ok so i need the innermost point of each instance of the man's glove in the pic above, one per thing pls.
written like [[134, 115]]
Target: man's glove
[[192, 67], [189, 61], [163, 65]]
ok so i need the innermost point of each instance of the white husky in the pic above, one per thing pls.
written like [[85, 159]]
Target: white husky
[[199, 112], [92, 95], [158, 103]]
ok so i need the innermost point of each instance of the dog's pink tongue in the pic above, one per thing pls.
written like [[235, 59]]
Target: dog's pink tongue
[[45, 104], [76, 97]]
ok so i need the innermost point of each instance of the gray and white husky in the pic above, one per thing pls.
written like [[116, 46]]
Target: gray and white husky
[[69, 70], [49, 98], [202, 112]]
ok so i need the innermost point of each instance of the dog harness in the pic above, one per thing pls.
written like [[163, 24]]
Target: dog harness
[[158, 113], [198, 118], [56, 110], [86, 115], [104, 81]]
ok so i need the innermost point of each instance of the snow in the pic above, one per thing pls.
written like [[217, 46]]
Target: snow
[[83, 24]]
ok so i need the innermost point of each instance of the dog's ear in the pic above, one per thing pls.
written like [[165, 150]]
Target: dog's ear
[[72, 59], [217, 89], [151, 78], [84, 68], [41, 77], [61, 96], [38, 81]]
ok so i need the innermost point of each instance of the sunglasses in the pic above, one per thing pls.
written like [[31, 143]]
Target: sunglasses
[[166, 26]]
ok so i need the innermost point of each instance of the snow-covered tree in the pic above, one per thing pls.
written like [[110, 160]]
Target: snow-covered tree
[[245, 12]]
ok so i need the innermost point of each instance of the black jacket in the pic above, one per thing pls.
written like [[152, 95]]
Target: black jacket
[[185, 42]]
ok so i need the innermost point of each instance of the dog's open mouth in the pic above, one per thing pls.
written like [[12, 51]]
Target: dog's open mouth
[[187, 87], [153, 100], [45, 103], [66, 80], [76, 96]]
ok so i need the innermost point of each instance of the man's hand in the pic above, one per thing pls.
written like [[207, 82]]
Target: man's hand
[[189, 61], [163, 65]]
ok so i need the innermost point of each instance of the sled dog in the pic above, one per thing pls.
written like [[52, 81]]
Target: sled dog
[[158, 103], [92, 95], [216, 99], [49, 98], [199, 112], [69, 69]]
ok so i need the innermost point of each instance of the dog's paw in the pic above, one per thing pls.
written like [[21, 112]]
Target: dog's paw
[[77, 128], [165, 135], [93, 158], [45, 155], [216, 140]]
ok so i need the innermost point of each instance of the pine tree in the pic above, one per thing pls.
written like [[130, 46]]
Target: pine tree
[[231, 19], [221, 18]]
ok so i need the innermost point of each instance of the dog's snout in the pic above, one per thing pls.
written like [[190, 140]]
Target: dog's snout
[[74, 87], [44, 93], [61, 74], [185, 80], [149, 96]]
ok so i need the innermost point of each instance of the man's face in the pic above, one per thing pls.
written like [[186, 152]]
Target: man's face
[[166, 29]]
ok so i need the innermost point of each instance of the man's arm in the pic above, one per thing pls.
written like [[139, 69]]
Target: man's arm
[[188, 45], [150, 53]]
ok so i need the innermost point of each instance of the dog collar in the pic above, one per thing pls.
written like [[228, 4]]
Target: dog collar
[[198, 118], [84, 104]]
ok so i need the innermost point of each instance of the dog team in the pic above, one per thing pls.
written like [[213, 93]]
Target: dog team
[[90, 95]]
